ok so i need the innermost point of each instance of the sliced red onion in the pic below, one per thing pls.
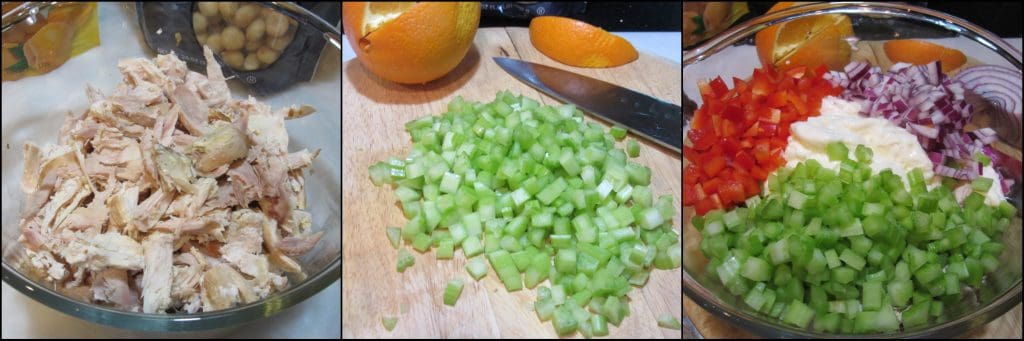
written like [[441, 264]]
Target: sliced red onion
[[921, 99]]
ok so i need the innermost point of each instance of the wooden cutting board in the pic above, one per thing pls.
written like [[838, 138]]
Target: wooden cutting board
[[374, 112]]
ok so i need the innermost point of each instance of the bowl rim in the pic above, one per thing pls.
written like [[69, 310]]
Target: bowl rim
[[740, 317], [951, 23]]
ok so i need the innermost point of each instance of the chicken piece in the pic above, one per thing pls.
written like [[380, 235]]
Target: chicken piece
[[55, 160], [187, 205], [111, 285], [221, 146], [121, 205], [172, 67], [142, 94], [300, 159], [246, 185], [270, 240], [293, 112], [44, 260], [175, 169], [299, 222], [30, 175], [93, 94], [223, 288], [185, 281], [298, 245], [64, 200], [268, 131], [157, 279], [147, 213], [93, 216], [244, 241], [139, 70], [164, 127], [218, 92], [193, 113], [102, 251]]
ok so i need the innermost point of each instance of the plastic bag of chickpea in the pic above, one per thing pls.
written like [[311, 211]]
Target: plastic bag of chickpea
[[265, 49]]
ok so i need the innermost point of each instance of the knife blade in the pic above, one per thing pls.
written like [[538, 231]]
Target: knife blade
[[651, 118]]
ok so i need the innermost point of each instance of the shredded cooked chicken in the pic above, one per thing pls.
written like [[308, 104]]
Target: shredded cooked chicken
[[168, 196]]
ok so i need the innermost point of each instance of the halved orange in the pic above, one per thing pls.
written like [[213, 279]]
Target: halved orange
[[410, 42], [921, 52], [579, 44], [808, 41]]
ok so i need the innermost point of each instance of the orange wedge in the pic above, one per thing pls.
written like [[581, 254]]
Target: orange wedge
[[576, 43], [808, 41], [408, 42], [920, 52]]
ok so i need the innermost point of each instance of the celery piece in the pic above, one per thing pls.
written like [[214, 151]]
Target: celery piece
[[872, 295], [863, 154], [405, 260], [471, 247], [446, 250], [981, 184], [453, 291], [564, 321], [389, 322], [545, 308], [618, 132], [395, 236], [756, 269], [669, 321], [599, 325], [852, 259], [836, 151], [632, 148], [421, 243], [916, 315], [476, 268], [797, 313]]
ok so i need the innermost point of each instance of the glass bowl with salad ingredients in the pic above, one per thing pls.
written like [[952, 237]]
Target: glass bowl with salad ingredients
[[853, 170]]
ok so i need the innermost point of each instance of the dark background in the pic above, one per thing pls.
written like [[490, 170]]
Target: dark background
[[1001, 17], [611, 16]]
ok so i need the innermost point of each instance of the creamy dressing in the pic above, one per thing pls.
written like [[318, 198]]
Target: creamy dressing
[[894, 148]]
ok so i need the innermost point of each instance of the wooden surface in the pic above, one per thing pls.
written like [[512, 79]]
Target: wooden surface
[[1007, 326], [374, 112]]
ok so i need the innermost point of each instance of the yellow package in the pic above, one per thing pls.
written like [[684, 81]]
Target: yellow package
[[44, 42]]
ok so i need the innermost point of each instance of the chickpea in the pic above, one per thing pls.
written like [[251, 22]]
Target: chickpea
[[198, 22], [245, 15], [253, 45], [277, 24], [251, 62], [213, 27], [232, 38], [234, 59], [267, 55], [255, 30], [227, 10], [214, 42], [201, 38], [213, 20], [208, 8]]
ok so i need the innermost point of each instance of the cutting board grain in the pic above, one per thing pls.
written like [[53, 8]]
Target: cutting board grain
[[373, 115]]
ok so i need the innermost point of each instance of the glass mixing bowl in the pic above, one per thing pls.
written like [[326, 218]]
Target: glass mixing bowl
[[732, 53], [35, 107]]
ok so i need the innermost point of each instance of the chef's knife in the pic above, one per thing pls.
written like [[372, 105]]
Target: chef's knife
[[654, 119]]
